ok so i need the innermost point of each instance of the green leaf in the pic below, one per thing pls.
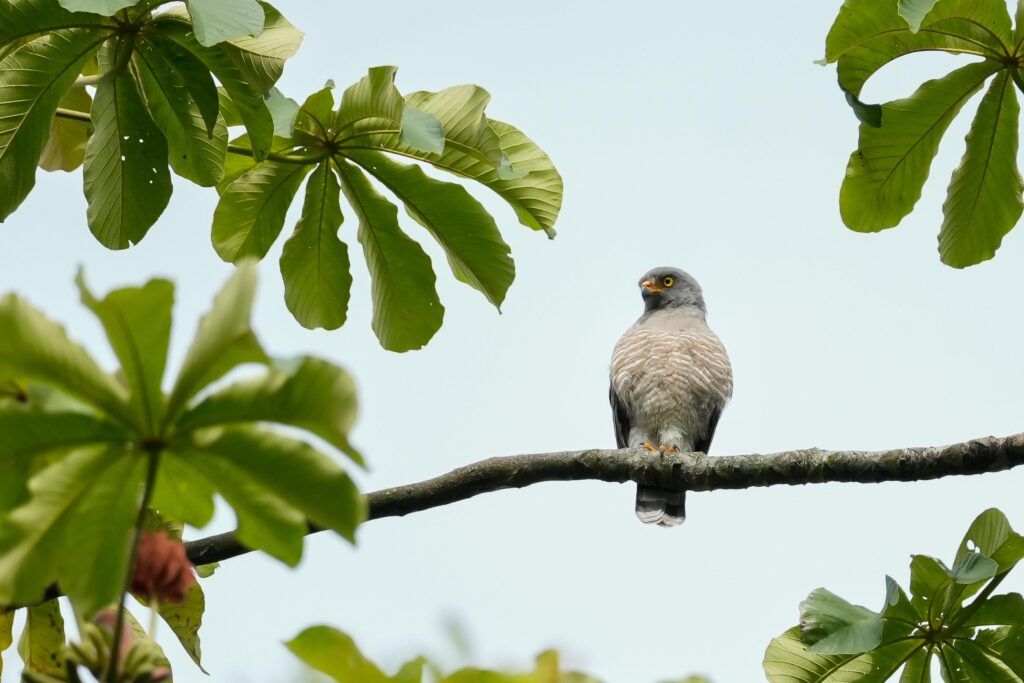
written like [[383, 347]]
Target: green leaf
[[918, 667], [252, 209], [315, 263], [972, 568], [193, 74], [984, 201], [1006, 645], [41, 646], [246, 100], [127, 182], [422, 131], [490, 152], [33, 80], [223, 341], [65, 148], [311, 394], [261, 58], [965, 662], [21, 19], [185, 620], [283, 111], [833, 626], [6, 635], [137, 321], [334, 653], [999, 610], [29, 435], [181, 493], [887, 171], [74, 529], [930, 587], [471, 240], [788, 660], [291, 470], [315, 115], [216, 21], [373, 97], [991, 535], [868, 114], [914, 11], [265, 521], [406, 310], [193, 152], [107, 8], [33, 347], [897, 605], [868, 34]]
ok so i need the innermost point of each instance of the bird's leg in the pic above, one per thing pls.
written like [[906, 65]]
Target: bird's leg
[[648, 446]]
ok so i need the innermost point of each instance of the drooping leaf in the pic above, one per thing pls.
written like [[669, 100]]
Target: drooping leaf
[[65, 148], [308, 393], [41, 646], [885, 174], [193, 152], [223, 341], [471, 240], [6, 635], [984, 201], [302, 477], [185, 620], [107, 8], [137, 321], [265, 521], [33, 347], [914, 11], [216, 21], [33, 80], [406, 310], [833, 626], [252, 209], [246, 101], [191, 72], [315, 263], [490, 152], [127, 183]]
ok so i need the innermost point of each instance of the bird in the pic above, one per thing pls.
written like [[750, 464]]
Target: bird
[[670, 379]]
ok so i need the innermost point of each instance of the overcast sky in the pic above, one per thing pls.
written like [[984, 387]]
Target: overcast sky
[[688, 134]]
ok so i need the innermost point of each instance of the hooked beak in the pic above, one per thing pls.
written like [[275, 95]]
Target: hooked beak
[[648, 288]]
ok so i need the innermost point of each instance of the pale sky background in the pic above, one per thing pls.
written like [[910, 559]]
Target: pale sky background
[[688, 134]]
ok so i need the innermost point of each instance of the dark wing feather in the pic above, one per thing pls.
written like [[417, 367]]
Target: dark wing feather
[[701, 445], [620, 418]]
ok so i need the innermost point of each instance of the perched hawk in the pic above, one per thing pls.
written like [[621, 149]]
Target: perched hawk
[[670, 380]]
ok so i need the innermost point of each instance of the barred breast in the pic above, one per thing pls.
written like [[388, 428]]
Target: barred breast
[[671, 378]]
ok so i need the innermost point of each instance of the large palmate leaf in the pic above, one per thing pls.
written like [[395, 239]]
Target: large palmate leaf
[[372, 124], [839, 642], [885, 174], [33, 80]]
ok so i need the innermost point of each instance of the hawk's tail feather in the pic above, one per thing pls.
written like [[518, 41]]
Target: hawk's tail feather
[[660, 506]]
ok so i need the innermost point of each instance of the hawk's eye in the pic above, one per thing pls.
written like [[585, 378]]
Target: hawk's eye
[[668, 281]]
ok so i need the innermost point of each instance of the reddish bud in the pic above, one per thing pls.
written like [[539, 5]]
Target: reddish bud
[[162, 570]]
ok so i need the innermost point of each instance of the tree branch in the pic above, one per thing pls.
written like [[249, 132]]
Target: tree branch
[[679, 471]]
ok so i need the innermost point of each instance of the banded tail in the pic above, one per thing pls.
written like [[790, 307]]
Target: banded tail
[[660, 506]]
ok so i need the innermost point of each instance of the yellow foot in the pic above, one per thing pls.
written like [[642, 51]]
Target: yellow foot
[[649, 447], [668, 449]]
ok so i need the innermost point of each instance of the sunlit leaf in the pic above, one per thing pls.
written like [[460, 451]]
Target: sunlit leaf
[[41, 646], [216, 21], [65, 148]]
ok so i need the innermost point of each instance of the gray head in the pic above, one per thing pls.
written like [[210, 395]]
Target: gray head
[[670, 288]]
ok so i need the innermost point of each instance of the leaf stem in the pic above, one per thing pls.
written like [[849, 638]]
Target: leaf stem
[[285, 158], [967, 612], [152, 465], [74, 115], [125, 49], [1015, 75]]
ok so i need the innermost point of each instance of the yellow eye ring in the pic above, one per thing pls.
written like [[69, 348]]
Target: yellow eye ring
[[668, 281]]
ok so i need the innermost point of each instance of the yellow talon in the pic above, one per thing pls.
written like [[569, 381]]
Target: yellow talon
[[668, 449], [649, 447]]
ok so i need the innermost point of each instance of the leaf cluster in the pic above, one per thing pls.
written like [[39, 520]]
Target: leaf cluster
[[898, 140], [950, 615]]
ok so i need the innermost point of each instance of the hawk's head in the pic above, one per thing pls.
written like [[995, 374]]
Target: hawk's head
[[670, 288]]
